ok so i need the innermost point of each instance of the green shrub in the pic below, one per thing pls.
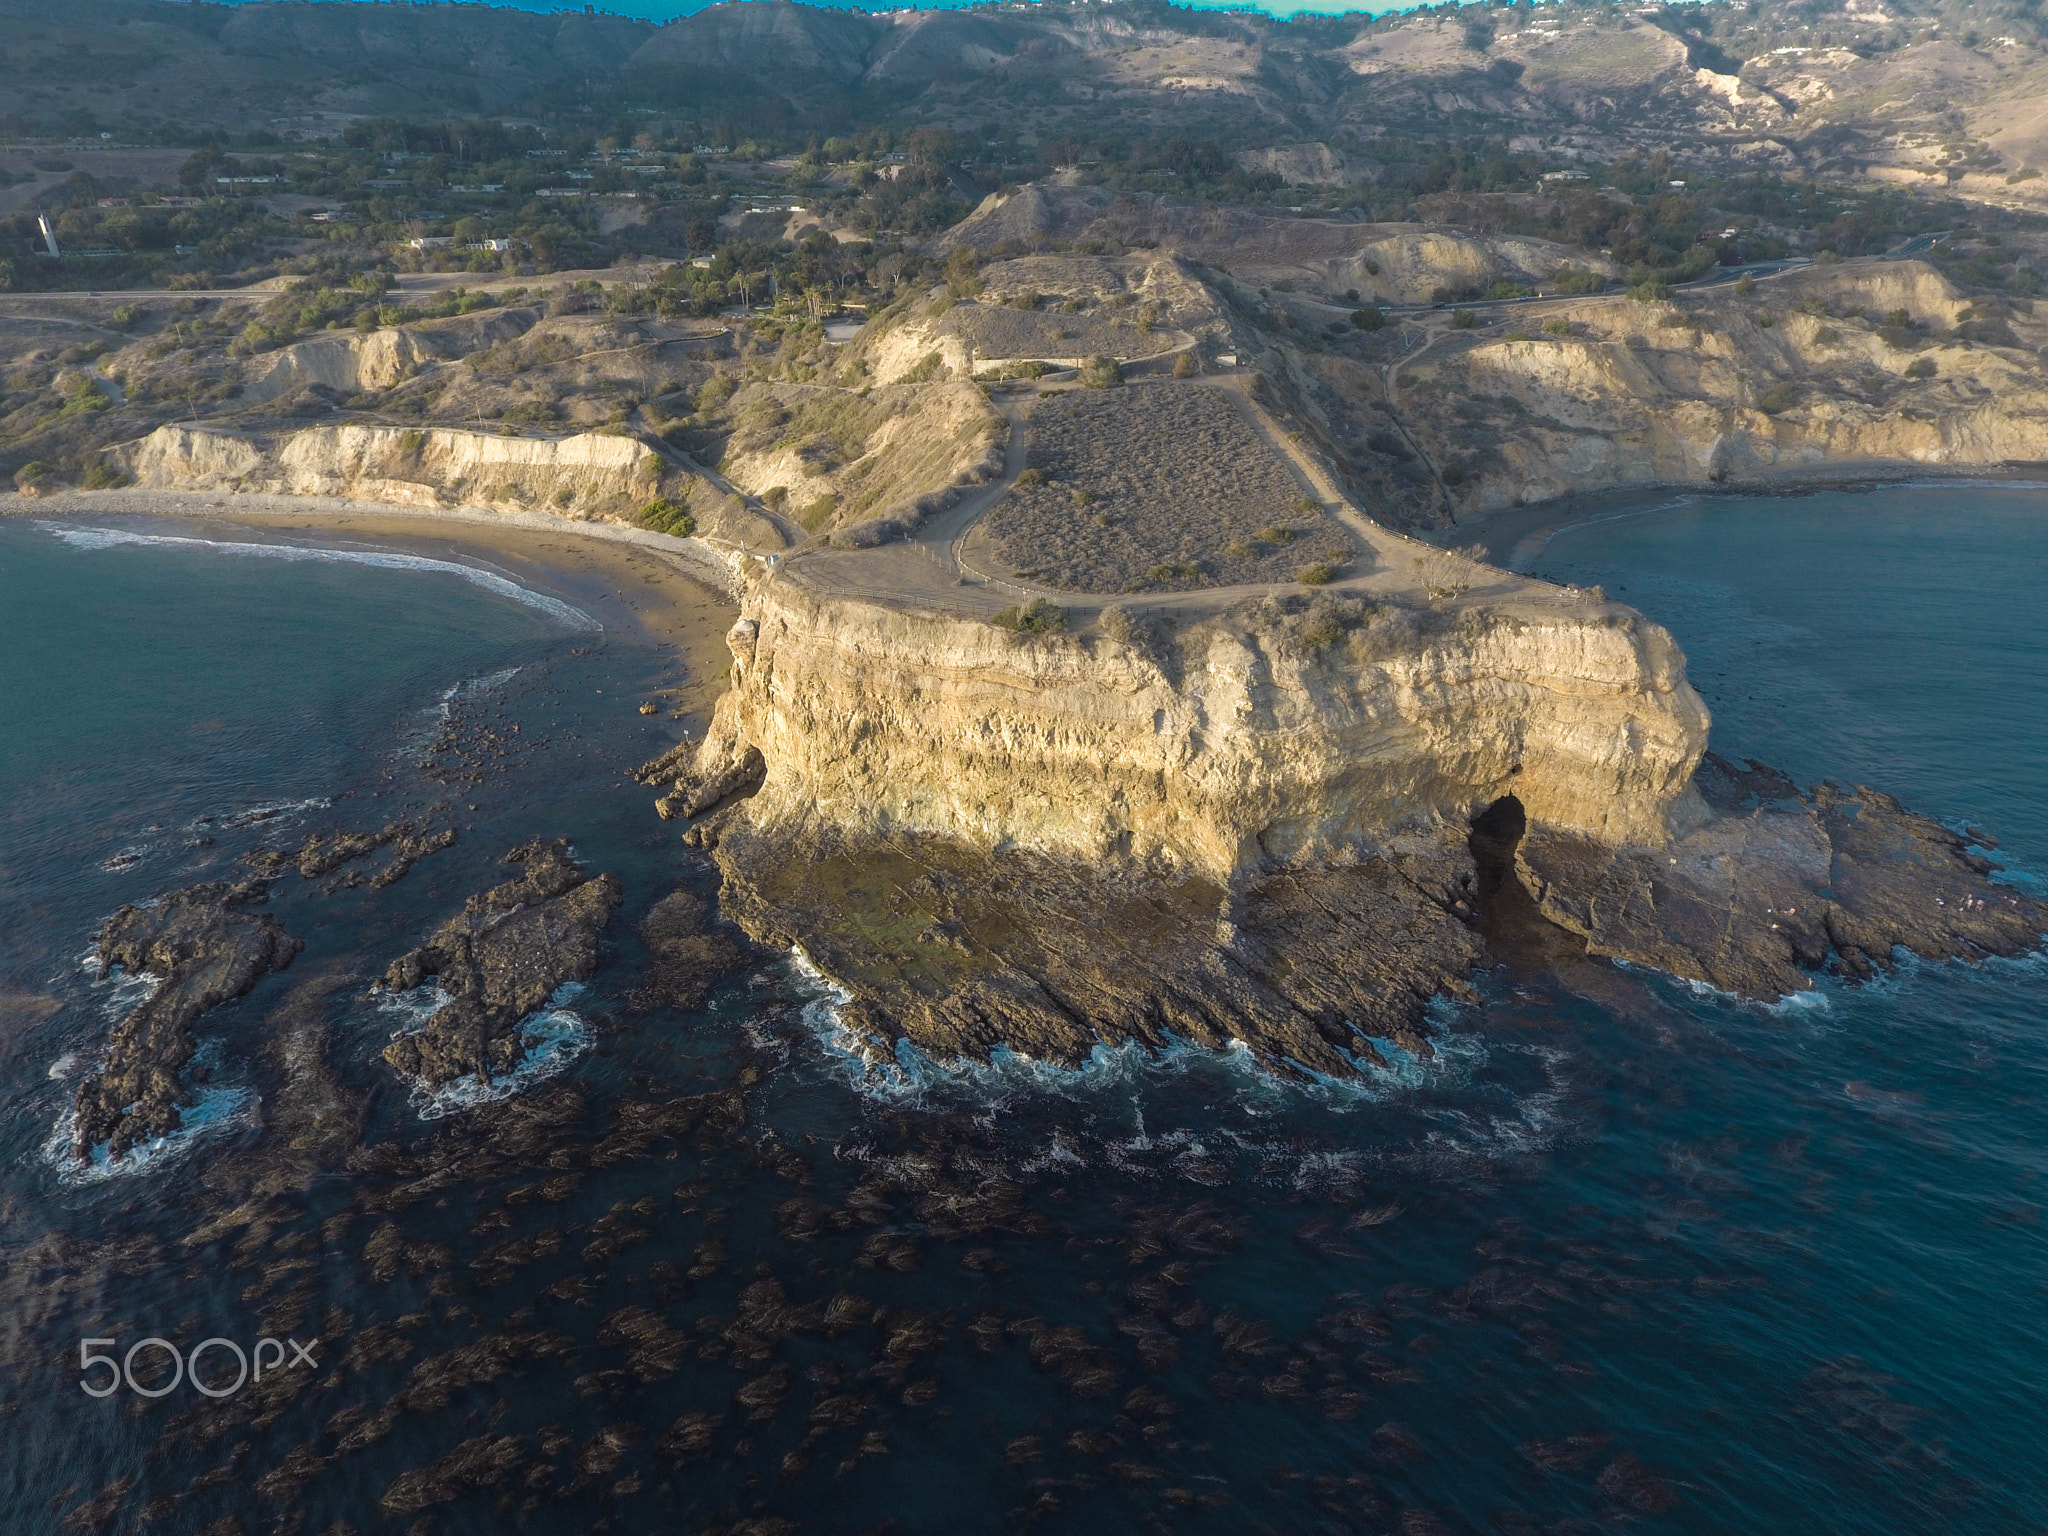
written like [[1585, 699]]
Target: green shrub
[[1101, 372], [1185, 366], [1031, 477], [1650, 291], [1037, 617], [1570, 279], [1276, 535], [1920, 368], [1745, 285], [1372, 318], [84, 398], [715, 392], [1319, 573], [1558, 327], [664, 516], [1464, 319], [102, 476], [33, 473], [1779, 397]]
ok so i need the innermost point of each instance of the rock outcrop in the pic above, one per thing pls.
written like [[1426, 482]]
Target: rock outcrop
[[691, 949], [590, 472], [208, 950], [1255, 830], [966, 952], [1241, 743], [1780, 884], [500, 959], [1866, 364]]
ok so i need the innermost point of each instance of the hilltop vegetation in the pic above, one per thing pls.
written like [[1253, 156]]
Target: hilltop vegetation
[[786, 250]]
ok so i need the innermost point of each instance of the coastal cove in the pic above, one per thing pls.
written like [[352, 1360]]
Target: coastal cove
[[1623, 1247]]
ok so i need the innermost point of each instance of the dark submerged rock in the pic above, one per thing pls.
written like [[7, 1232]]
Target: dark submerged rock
[[691, 951], [500, 960], [208, 950]]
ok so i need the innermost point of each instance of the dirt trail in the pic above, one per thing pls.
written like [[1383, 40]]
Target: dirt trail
[[929, 569]]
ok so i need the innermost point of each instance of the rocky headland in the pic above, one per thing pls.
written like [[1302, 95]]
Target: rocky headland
[[1278, 823]]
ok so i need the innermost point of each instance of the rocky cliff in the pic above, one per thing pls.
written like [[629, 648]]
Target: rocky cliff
[[421, 467], [1880, 363], [1247, 825], [1251, 739]]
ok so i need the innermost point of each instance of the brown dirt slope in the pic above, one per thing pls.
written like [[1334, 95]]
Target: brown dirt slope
[[1154, 487]]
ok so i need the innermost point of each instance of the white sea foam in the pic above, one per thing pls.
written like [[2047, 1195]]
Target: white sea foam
[[899, 1072], [470, 687], [559, 1036], [109, 538], [217, 1108]]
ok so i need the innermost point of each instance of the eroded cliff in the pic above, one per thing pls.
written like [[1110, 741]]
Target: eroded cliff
[[1254, 824], [1258, 736]]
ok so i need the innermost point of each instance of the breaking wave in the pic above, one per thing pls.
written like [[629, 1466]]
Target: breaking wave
[[109, 538]]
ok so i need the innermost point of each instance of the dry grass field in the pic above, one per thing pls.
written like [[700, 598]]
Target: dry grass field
[[1000, 331], [1154, 487]]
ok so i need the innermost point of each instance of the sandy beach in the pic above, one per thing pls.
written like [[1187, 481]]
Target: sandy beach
[[630, 581]]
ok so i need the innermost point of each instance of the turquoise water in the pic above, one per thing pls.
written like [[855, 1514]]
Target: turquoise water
[[1645, 1258]]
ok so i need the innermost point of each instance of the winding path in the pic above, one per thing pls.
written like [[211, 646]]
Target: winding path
[[931, 569]]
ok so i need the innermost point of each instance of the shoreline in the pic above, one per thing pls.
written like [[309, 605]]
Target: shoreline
[[670, 592], [1512, 537]]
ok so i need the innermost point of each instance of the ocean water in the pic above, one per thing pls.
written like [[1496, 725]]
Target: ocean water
[[1644, 1259]]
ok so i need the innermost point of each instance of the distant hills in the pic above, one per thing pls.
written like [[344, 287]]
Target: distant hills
[[1943, 91]]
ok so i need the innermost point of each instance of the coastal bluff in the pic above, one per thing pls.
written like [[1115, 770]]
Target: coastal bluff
[[1288, 824], [1264, 734]]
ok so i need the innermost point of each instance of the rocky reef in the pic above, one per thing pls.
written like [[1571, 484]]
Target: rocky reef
[[499, 960], [691, 950], [966, 953], [1780, 883], [323, 853], [1286, 825], [208, 949]]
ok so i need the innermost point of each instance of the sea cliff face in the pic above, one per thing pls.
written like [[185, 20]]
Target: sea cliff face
[[1251, 739], [430, 467], [1286, 824]]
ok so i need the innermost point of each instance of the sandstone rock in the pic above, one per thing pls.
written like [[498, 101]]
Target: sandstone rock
[[500, 960], [1779, 884], [1245, 750]]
